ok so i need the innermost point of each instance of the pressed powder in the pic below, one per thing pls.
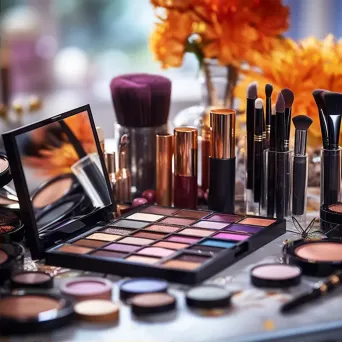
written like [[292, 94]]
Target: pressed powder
[[32, 279], [97, 310], [328, 251], [52, 193], [3, 257], [3, 164], [337, 208]]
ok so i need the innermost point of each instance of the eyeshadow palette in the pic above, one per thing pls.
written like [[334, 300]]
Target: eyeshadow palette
[[185, 246]]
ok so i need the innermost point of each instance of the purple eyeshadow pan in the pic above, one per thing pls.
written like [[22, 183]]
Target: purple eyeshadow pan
[[224, 218], [122, 247], [109, 254], [233, 237], [244, 229], [183, 239]]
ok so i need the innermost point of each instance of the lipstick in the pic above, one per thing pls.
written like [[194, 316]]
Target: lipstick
[[222, 161], [185, 172], [164, 153]]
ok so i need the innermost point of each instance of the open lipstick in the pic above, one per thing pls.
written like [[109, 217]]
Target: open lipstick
[[185, 171], [222, 161]]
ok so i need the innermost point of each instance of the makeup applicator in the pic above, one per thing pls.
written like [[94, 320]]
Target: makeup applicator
[[268, 109], [318, 96], [288, 98], [302, 124]]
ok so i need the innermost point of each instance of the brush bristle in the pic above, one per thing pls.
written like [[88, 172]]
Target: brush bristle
[[288, 97], [268, 90], [280, 104], [141, 100], [318, 96], [258, 103], [333, 103], [302, 122], [252, 90], [273, 112]]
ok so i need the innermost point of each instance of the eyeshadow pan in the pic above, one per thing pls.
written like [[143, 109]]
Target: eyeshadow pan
[[147, 235], [142, 259], [182, 239], [74, 249], [159, 210], [178, 221], [118, 231], [129, 224], [244, 229], [120, 247], [234, 237], [192, 213], [156, 251], [145, 217], [206, 249], [217, 243], [109, 254], [89, 243], [254, 221], [103, 237], [210, 225], [172, 245], [162, 229], [181, 264], [196, 232], [193, 258], [136, 241], [224, 218]]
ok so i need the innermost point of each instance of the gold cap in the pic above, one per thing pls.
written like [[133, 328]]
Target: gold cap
[[34, 103], [110, 162], [185, 151], [222, 123], [204, 130], [164, 152]]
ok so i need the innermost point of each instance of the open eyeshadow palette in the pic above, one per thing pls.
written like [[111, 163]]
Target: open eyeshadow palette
[[185, 246]]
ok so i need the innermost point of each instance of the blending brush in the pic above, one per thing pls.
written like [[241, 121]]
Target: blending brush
[[289, 98], [302, 124], [268, 111], [251, 97], [318, 96]]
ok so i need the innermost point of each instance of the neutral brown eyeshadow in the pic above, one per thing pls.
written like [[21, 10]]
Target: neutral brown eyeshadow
[[163, 229], [254, 221], [104, 237], [109, 254], [52, 193], [172, 245], [182, 265], [192, 213], [24, 307], [147, 235], [118, 231], [89, 243], [74, 249]]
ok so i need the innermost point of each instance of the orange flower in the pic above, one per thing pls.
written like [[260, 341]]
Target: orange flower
[[302, 67], [229, 30]]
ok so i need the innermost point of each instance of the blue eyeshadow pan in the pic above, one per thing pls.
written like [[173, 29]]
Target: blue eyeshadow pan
[[217, 243]]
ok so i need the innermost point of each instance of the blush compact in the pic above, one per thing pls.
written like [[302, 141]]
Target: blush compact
[[331, 220], [31, 279]]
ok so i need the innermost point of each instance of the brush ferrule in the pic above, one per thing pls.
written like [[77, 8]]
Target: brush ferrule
[[300, 142], [268, 128], [258, 138]]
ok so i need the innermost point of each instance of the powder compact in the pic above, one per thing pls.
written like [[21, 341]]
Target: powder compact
[[275, 275], [318, 258], [11, 259], [31, 279], [134, 287], [5, 171], [11, 226], [29, 312], [174, 244], [97, 310], [331, 220]]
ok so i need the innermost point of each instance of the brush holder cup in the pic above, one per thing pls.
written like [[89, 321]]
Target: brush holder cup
[[142, 155], [330, 176], [277, 184]]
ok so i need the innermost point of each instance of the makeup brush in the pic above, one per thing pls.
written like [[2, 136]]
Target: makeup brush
[[289, 98], [258, 149], [302, 124], [281, 158], [268, 110], [251, 97], [318, 96], [320, 289], [271, 166]]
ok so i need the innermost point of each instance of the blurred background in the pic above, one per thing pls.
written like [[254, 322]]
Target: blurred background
[[67, 51]]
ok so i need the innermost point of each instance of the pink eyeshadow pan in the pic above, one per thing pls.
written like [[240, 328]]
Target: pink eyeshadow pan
[[233, 237], [182, 239], [196, 232], [224, 218], [142, 259], [120, 247], [210, 225], [162, 229], [177, 221], [156, 251]]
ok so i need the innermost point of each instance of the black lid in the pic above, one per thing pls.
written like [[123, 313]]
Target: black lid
[[328, 215], [311, 267], [137, 286], [152, 303], [31, 279], [265, 275], [5, 171], [208, 297], [9, 217], [17, 325]]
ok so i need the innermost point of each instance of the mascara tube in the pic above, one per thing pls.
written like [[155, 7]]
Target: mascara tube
[[185, 171], [222, 161]]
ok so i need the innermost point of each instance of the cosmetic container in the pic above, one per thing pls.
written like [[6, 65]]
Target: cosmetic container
[[331, 220], [222, 161], [330, 176], [185, 170]]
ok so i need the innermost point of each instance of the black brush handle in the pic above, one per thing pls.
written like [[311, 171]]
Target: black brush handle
[[270, 183], [299, 184], [331, 176], [280, 185], [257, 170], [250, 141], [222, 185], [299, 301]]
